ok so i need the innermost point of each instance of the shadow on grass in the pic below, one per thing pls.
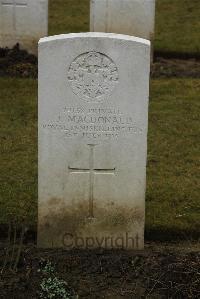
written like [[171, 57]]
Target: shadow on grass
[[171, 235]]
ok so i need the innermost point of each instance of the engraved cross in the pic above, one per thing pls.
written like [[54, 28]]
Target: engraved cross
[[91, 171], [14, 4]]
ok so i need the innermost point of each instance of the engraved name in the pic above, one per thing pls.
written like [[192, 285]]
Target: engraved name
[[95, 123]]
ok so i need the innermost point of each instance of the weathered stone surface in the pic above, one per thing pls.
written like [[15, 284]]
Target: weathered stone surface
[[93, 116], [23, 22], [132, 17]]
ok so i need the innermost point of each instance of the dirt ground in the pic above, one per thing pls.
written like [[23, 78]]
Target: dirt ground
[[18, 63], [161, 271]]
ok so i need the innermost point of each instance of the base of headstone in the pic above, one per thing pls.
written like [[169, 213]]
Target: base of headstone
[[30, 45], [23, 22]]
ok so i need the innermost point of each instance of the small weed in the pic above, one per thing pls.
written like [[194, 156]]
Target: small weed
[[52, 286]]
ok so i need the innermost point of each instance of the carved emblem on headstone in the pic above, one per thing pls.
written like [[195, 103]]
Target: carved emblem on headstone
[[93, 76]]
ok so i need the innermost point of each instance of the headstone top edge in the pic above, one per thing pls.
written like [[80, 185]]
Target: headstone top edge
[[95, 35]]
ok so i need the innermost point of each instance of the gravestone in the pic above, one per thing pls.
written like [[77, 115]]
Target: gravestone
[[93, 115], [23, 22], [132, 17]]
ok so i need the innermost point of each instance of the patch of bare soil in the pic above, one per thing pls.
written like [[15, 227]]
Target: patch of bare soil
[[180, 68], [19, 63], [158, 272]]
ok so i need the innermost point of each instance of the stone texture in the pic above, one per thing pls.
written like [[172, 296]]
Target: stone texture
[[132, 17], [23, 22], [93, 116]]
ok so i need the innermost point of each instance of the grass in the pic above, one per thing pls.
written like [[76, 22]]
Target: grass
[[173, 157], [177, 22], [172, 172], [66, 16], [18, 149], [178, 26]]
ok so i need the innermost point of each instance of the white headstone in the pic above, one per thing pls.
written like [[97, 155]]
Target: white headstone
[[132, 17], [23, 22], [93, 116]]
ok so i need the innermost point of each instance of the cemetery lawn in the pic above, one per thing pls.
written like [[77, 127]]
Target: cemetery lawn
[[177, 23], [177, 26], [173, 179]]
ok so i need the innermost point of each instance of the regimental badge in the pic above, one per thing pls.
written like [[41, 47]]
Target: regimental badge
[[93, 76]]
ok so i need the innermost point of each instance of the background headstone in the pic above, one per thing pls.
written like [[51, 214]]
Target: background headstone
[[93, 116], [23, 22], [132, 17]]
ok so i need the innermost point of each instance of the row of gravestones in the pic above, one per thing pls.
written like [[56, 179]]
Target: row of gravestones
[[92, 134], [26, 21]]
